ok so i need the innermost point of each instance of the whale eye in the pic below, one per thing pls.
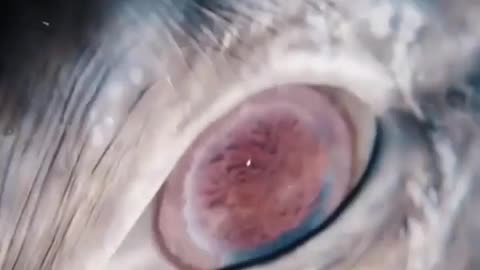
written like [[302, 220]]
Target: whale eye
[[264, 177]]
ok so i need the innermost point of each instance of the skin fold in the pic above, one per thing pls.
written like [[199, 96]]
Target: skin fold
[[99, 99]]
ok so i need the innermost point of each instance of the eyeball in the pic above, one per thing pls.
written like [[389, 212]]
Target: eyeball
[[263, 176]]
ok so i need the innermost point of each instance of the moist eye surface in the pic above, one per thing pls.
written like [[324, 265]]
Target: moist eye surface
[[257, 180]]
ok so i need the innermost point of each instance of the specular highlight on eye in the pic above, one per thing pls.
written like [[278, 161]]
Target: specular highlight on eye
[[257, 180]]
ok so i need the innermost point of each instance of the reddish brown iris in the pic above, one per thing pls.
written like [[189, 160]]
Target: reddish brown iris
[[256, 176], [259, 182]]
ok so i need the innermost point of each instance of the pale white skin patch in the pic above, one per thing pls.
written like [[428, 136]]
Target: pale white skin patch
[[136, 76], [381, 20], [102, 131]]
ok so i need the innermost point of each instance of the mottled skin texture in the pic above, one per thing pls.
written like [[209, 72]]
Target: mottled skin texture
[[100, 98]]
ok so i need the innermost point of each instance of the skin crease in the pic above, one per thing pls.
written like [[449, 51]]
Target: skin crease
[[100, 99]]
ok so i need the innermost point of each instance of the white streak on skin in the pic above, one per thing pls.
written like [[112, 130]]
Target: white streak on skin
[[136, 76], [380, 17], [371, 83], [412, 21], [227, 40], [102, 131], [109, 121], [115, 90], [428, 241], [402, 64], [98, 137]]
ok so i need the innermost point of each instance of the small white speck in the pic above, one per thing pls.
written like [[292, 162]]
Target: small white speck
[[136, 76], [169, 81], [46, 23], [98, 137], [115, 89], [109, 121], [249, 163], [379, 19], [227, 41], [93, 115]]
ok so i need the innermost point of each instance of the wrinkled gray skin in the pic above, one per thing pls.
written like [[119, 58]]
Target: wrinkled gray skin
[[99, 99]]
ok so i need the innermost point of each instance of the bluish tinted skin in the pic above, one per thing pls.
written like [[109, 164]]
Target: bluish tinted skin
[[85, 141]]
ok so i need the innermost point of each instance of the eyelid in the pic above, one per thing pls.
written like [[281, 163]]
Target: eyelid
[[232, 91], [226, 106], [361, 127]]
